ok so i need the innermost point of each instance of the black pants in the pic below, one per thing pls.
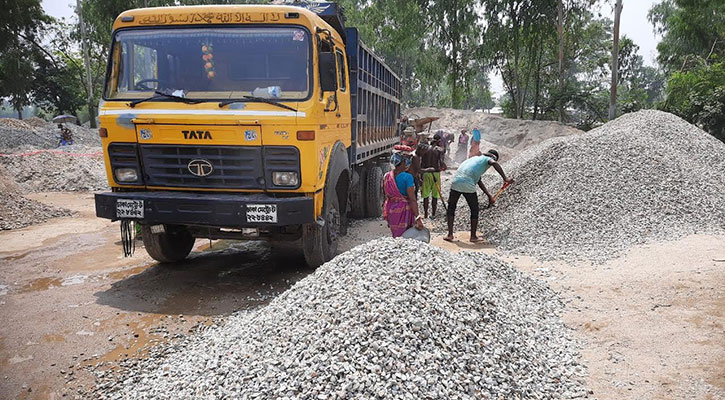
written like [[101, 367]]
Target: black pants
[[471, 199]]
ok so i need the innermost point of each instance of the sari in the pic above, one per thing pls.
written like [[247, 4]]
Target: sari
[[396, 209]]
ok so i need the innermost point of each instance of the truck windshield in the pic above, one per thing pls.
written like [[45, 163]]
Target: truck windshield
[[211, 63]]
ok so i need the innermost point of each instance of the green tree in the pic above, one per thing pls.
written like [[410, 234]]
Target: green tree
[[455, 31], [698, 95], [516, 31], [639, 86], [692, 52], [20, 23], [393, 29], [60, 84], [479, 96], [690, 29], [16, 77]]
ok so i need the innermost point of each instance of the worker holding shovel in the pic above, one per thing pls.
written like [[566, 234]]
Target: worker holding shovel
[[464, 183]]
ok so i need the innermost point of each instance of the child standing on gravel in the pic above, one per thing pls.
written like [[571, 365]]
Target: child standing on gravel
[[464, 184]]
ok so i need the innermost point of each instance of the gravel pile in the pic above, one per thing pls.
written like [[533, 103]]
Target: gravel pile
[[645, 176], [374, 324], [35, 133], [71, 168], [17, 211]]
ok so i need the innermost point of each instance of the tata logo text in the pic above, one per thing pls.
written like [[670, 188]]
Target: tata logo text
[[200, 167], [196, 134]]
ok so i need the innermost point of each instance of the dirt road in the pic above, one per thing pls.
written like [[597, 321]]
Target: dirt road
[[68, 299], [651, 322]]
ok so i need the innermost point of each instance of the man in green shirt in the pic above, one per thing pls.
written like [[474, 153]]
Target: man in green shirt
[[467, 177]]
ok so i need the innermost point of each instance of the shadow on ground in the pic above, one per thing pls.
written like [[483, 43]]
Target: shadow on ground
[[229, 277]]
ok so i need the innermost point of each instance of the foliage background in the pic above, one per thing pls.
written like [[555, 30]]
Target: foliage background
[[443, 50]]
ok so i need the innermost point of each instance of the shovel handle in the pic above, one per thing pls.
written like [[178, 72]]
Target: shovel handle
[[503, 187]]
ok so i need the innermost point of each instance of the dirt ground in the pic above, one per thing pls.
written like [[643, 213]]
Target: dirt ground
[[651, 322]]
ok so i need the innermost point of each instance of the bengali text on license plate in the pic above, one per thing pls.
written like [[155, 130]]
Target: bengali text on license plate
[[126, 208], [265, 213]]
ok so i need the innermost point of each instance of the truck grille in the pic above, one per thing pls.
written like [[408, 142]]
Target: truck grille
[[234, 167]]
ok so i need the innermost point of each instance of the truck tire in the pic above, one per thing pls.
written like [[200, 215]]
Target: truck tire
[[374, 192], [357, 196], [168, 247], [319, 243]]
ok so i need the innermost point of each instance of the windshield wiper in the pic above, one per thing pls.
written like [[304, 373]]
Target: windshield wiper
[[259, 99], [161, 95]]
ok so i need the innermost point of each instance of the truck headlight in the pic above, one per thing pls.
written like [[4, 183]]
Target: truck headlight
[[126, 174], [285, 178]]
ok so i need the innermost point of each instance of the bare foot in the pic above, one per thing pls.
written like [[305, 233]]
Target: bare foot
[[448, 238], [476, 239]]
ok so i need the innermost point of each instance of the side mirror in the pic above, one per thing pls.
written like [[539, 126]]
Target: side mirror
[[328, 71]]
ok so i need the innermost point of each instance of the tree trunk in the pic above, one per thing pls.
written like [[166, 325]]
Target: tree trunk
[[537, 85], [92, 114], [615, 63], [455, 98], [20, 112], [516, 79], [529, 69], [560, 34]]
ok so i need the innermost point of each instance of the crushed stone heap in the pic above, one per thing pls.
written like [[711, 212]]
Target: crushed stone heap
[[35, 133], [17, 211], [645, 176], [389, 319], [72, 168]]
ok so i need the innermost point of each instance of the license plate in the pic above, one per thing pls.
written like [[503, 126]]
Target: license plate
[[262, 213], [126, 208]]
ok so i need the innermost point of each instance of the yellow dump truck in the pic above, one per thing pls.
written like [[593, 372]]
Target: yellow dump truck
[[248, 122]]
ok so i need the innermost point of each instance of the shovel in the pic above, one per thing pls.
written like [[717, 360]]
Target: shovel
[[503, 187]]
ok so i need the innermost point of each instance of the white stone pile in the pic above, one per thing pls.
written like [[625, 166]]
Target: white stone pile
[[36, 133], [30, 162], [17, 211], [75, 168], [643, 177], [390, 319]]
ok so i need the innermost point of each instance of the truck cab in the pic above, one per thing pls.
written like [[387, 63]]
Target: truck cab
[[243, 122]]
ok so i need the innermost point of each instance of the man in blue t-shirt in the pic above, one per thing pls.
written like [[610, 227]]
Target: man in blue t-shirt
[[467, 177]]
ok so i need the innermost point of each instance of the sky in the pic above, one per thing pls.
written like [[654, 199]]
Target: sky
[[59, 8], [633, 24]]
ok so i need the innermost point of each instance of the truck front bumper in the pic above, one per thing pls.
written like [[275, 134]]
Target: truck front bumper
[[207, 209]]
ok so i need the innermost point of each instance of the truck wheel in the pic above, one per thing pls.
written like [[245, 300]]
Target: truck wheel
[[171, 246], [374, 192], [357, 196], [319, 243]]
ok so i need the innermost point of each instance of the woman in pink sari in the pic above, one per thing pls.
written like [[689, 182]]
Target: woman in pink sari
[[401, 207]]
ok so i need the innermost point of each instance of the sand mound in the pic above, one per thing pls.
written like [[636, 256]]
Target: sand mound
[[510, 133]]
